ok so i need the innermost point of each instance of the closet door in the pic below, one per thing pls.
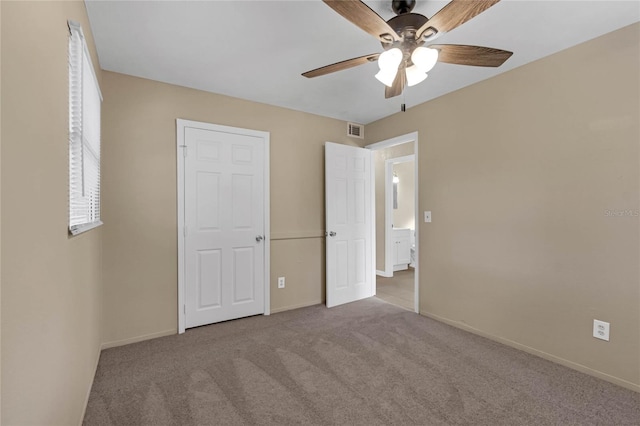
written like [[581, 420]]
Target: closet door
[[224, 236]]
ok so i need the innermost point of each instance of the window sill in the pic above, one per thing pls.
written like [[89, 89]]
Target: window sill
[[79, 229]]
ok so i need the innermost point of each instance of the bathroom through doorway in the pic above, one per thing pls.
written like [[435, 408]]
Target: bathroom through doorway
[[396, 204]]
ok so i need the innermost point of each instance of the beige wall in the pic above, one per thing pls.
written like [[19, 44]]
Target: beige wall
[[404, 215], [519, 172], [139, 199], [379, 158], [50, 308], [301, 261]]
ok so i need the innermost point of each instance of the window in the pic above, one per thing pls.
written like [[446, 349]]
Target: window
[[84, 136]]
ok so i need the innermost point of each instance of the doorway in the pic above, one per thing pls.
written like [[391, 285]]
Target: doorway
[[397, 248]]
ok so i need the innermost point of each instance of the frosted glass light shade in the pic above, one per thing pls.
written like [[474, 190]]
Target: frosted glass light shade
[[387, 76], [415, 75], [390, 59], [424, 58]]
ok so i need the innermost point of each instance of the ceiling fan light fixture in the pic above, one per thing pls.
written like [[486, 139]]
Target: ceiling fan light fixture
[[415, 75], [424, 58], [390, 59], [387, 76], [406, 40]]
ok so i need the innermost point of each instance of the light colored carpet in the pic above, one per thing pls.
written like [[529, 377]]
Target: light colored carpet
[[365, 363], [399, 289]]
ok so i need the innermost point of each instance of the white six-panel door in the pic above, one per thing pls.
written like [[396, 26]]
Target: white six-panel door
[[224, 219], [349, 224]]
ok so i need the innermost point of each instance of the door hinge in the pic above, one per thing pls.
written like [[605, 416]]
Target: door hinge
[[184, 309], [184, 150]]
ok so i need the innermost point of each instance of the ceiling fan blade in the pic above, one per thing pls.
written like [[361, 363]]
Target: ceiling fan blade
[[454, 14], [343, 65], [471, 55], [398, 85], [364, 17]]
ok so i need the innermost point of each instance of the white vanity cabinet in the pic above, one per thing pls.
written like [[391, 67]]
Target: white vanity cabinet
[[401, 253]]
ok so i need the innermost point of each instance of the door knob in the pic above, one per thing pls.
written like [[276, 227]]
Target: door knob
[[259, 238], [332, 234]]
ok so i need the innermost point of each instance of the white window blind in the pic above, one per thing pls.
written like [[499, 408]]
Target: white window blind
[[84, 136]]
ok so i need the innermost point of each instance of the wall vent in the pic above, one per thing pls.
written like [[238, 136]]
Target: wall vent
[[355, 130]]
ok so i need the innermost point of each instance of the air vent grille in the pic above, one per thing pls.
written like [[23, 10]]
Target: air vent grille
[[355, 130]]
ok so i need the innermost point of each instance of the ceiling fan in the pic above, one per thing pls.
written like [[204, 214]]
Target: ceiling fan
[[407, 41]]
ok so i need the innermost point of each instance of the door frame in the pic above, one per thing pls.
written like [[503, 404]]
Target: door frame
[[398, 140], [388, 210], [181, 124]]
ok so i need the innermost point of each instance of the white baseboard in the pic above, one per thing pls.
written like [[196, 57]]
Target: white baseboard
[[137, 339], [401, 267], [86, 398], [298, 306], [549, 357], [383, 274]]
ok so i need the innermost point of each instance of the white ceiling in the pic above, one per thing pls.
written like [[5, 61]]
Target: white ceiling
[[257, 50]]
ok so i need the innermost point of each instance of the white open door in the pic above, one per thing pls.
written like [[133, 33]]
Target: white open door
[[349, 224]]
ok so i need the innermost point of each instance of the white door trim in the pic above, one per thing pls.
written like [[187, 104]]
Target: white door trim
[[409, 137], [180, 143], [388, 210]]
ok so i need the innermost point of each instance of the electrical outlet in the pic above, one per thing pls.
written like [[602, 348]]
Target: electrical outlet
[[427, 216], [601, 330], [280, 282]]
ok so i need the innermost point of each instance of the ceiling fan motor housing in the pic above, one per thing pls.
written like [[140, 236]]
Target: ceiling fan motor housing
[[402, 6], [405, 26]]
